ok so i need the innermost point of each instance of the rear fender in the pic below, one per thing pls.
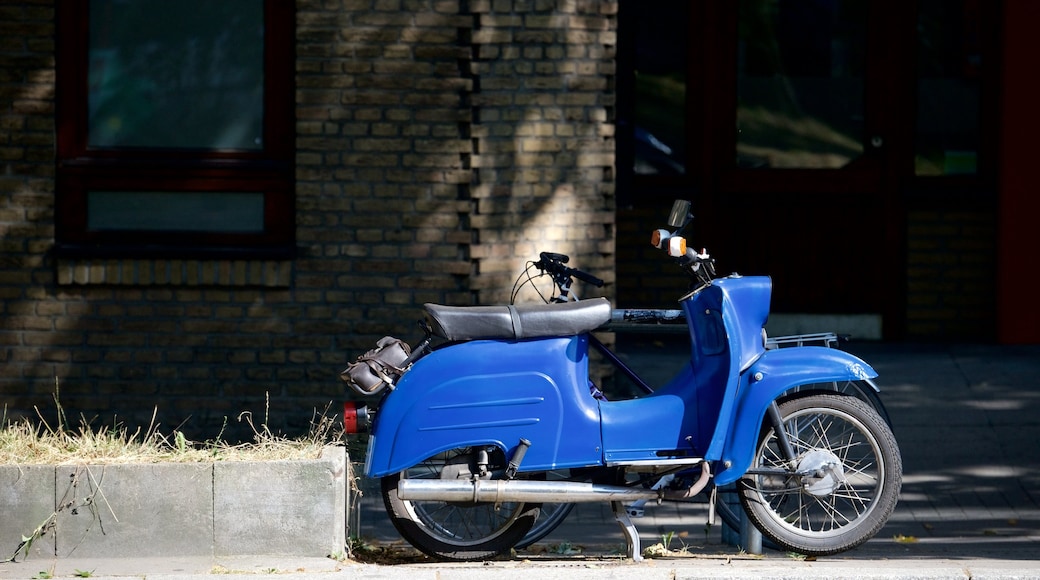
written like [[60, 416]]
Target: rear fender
[[774, 373]]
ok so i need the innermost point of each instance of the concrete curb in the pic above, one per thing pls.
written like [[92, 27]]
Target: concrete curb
[[290, 508]]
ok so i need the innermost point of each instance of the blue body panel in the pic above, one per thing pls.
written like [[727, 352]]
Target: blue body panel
[[781, 370], [637, 429], [489, 392], [739, 306]]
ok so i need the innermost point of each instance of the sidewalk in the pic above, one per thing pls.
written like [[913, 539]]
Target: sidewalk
[[967, 418]]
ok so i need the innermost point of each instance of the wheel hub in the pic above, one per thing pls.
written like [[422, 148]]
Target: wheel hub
[[821, 471]]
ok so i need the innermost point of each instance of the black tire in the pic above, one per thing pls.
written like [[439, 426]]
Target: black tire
[[550, 515], [453, 530], [864, 390], [857, 473]]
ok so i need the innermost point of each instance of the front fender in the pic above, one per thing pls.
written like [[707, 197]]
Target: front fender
[[774, 373]]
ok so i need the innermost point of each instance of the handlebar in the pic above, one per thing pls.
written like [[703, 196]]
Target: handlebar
[[554, 264]]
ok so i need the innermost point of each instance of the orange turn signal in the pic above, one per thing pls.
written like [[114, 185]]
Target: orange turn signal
[[658, 238], [676, 246]]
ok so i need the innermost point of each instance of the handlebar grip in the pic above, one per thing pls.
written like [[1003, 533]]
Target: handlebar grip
[[554, 263], [588, 278]]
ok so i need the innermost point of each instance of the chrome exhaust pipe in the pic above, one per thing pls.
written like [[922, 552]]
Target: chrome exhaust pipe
[[529, 491], [526, 491]]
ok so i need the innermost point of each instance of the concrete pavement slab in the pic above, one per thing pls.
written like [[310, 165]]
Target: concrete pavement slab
[[115, 510], [20, 518], [276, 508], [687, 567]]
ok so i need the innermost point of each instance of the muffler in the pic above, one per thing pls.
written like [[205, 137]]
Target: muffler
[[526, 491], [529, 491]]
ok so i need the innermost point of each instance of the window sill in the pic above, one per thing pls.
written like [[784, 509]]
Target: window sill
[[273, 273]]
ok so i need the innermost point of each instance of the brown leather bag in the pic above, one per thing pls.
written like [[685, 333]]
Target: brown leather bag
[[378, 368]]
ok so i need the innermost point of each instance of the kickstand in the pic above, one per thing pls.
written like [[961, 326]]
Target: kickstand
[[631, 535]]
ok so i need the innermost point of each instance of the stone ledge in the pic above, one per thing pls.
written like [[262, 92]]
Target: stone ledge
[[289, 508], [116, 272]]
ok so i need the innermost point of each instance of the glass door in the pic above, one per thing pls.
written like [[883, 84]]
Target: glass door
[[787, 122], [803, 184]]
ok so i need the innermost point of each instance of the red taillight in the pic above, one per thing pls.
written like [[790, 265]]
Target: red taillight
[[355, 417]]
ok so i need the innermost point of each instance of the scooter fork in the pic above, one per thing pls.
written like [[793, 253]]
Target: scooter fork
[[781, 434], [750, 536]]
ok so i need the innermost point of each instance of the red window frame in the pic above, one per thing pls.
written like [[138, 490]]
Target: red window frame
[[81, 169]]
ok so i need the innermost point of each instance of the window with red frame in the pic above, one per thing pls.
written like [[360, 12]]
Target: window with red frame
[[175, 128]]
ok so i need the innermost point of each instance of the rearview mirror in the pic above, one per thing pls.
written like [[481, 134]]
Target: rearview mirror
[[680, 213]]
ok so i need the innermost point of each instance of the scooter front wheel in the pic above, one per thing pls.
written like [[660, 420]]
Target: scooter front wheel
[[728, 504], [462, 531], [840, 488]]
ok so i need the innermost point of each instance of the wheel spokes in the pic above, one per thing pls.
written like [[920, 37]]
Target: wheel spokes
[[460, 523], [465, 522], [857, 479]]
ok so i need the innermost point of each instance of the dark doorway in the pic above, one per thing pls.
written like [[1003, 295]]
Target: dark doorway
[[795, 128]]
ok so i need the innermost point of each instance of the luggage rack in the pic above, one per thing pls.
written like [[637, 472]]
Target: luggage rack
[[828, 339]]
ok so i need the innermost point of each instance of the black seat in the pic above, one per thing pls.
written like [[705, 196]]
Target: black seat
[[518, 321]]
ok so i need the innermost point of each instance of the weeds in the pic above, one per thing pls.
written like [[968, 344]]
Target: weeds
[[565, 549], [361, 551], [664, 548], [27, 541], [56, 442]]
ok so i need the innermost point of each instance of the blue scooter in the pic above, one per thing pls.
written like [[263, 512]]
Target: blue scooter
[[474, 433]]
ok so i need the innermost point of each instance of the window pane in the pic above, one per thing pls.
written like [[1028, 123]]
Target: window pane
[[213, 212], [800, 83], [948, 67], [660, 86], [185, 74]]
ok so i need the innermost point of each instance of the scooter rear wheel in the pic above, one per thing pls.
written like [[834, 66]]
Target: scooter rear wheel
[[845, 481], [461, 531]]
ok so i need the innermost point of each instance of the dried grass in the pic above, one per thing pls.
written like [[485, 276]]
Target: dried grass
[[42, 442]]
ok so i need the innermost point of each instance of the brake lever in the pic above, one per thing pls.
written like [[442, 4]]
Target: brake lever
[[554, 257]]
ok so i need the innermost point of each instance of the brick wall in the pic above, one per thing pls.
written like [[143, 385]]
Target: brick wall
[[543, 142], [440, 145], [951, 274], [31, 344]]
